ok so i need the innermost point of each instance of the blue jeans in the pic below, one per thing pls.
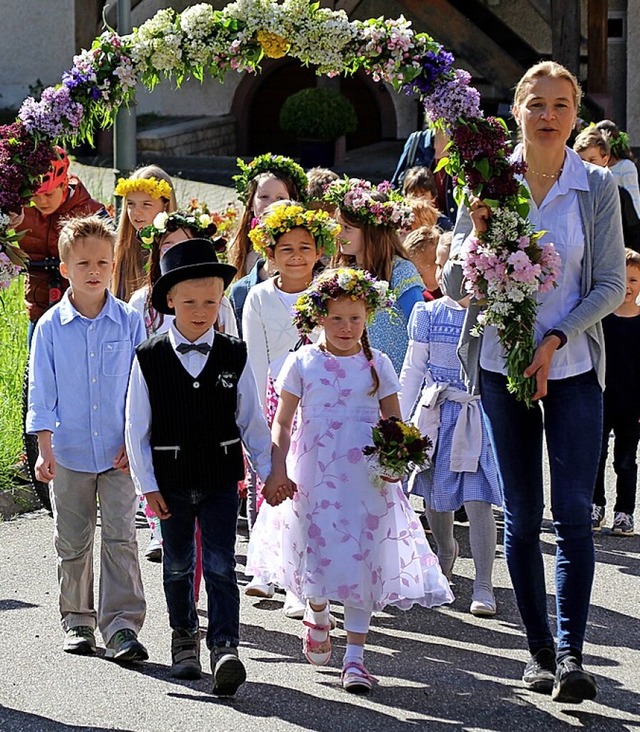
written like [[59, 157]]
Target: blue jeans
[[572, 424], [217, 515]]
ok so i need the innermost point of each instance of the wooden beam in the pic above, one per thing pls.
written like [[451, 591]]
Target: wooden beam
[[543, 8], [565, 34], [597, 45], [467, 41]]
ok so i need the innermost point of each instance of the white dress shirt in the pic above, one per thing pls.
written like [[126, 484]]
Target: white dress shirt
[[250, 419]]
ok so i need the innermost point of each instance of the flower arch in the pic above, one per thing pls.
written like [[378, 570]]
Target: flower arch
[[202, 41]]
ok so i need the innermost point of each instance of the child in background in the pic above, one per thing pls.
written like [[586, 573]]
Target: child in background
[[318, 180], [340, 538], [622, 162], [621, 405], [81, 356], [293, 240], [265, 180], [166, 231], [184, 444], [420, 245], [148, 192], [592, 145], [420, 183], [464, 471], [370, 218]]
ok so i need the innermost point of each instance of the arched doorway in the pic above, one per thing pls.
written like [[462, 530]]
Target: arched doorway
[[258, 100]]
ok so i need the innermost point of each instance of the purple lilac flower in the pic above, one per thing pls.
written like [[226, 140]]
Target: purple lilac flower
[[453, 98], [55, 115], [435, 65]]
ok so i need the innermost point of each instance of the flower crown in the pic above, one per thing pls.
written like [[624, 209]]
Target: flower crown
[[225, 221], [199, 222], [360, 199], [322, 227], [357, 284], [154, 187], [269, 163]]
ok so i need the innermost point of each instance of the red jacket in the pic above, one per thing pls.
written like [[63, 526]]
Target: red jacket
[[41, 241]]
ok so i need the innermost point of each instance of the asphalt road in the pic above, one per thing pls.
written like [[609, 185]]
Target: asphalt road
[[438, 669]]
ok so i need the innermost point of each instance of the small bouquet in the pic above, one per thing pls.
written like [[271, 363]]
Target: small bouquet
[[398, 448]]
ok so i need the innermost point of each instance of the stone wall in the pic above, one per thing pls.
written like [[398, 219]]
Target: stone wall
[[200, 136]]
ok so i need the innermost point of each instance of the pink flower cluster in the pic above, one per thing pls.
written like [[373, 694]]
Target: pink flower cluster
[[506, 275]]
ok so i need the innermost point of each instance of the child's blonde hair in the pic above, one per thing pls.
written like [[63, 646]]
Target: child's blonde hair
[[631, 258], [84, 227], [421, 241], [592, 137], [130, 257], [424, 212]]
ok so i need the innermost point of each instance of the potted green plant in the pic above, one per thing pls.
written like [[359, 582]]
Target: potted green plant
[[317, 117]]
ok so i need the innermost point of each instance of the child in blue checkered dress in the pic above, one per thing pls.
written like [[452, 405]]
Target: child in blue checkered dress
[[464, 469]]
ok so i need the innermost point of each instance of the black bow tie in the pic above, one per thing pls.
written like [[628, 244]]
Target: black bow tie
[[202, 348]]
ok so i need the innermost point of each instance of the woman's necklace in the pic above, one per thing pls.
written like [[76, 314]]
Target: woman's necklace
[[549, 176]]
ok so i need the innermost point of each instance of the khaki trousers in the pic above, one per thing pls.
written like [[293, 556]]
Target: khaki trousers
[[75, 497]]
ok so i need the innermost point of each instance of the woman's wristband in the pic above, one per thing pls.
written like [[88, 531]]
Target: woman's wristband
[[558, 334]]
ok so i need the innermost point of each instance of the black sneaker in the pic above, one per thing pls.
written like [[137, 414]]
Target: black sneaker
[[80, 640], [228, 671], [573, 684], [185, 655], [125, 647], [540, 672]]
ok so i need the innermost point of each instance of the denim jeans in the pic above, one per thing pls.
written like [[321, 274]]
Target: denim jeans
[[217, 515], [572, 424], [626, 431]]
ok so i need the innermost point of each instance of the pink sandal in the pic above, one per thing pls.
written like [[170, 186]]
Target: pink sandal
[[356, 679], [318, 653]]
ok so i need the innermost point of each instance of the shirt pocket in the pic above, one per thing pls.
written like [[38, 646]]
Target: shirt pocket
[[116, 358]]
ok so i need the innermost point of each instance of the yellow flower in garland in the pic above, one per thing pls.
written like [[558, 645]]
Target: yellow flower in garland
[[154, 187], [273, 45], [322, 227]]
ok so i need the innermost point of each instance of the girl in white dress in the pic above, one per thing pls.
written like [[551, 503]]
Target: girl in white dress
[[340, 538]]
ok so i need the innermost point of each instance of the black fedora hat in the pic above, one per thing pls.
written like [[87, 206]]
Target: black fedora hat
[[188, 260]]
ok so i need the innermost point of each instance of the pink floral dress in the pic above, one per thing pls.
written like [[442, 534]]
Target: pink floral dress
[[341, 537]]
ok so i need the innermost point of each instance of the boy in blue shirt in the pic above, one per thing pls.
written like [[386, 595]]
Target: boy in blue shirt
[[192, 402], [80, 361]]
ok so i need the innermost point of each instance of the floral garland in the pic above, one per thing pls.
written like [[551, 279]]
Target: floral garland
[[378, 205], [322, 227], [200, 222], [225, 221], [154, 187], [202, 41], [357, 284], [268, 163]]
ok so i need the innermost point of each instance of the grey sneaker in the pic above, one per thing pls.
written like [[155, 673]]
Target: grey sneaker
[[573, 684], [228, 671], [540, 672], [80, 640], [597, 517], [622, 524], [124, 647], [185, 655]]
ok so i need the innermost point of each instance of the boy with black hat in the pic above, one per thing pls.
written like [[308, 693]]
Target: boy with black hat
[[192, 400]]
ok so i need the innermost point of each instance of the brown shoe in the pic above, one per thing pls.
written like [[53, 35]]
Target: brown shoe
[[185, 655]]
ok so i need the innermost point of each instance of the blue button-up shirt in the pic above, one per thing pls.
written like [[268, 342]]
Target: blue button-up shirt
[[78, 377]]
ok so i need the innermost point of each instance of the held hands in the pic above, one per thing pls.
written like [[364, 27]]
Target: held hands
[[541, 364], [278, 488], [156, 503]]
